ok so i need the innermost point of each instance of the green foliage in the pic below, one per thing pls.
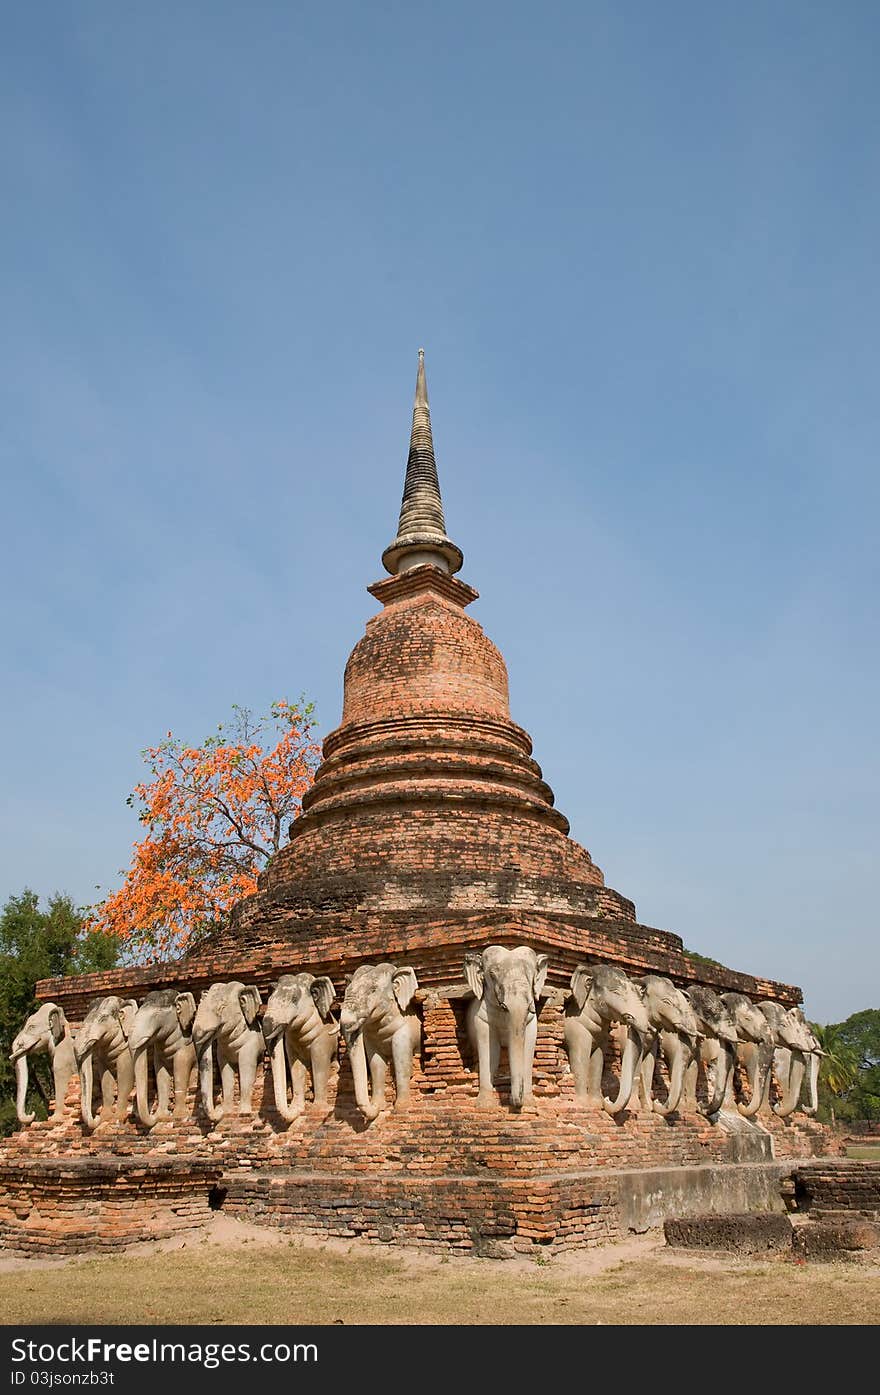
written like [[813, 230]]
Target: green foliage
[[703, 958], [849, 1078], [37, 944]]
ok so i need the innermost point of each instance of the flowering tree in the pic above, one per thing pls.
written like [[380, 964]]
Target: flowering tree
[[214, 815]]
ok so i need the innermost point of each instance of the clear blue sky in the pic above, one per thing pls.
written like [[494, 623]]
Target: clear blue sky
[[640, 246]]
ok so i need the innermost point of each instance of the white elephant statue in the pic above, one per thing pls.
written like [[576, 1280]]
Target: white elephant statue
[[601, 997], [102, 1050], [506, 984], [300, 1039], [796, 1057], [46, 1030], [754, 1050], [676, 1034], [380, 1026], [163, 1028], [718, 1043], [228, 1019]]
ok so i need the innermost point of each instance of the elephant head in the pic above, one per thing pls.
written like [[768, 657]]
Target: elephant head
[[718, 1029], [296, 1017], [794, 1044], [228, 1014], [376, 1020], [672, 1017], [755, 1049], [507, 984], [602, 995], [104, 1035], [45, 1030], [163, 1022]]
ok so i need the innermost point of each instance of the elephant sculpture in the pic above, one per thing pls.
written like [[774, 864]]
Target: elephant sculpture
[[814, 1063], [379, 1026], [718, 1043], [506, 984], [675, 1036], [602, 996], [300, 1039], [163, 1027], [47, 1030], [228, 1019], [796, 1057], [754, 1050], [102, 1049]]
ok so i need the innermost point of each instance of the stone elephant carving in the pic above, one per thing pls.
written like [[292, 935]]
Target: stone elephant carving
[[754, 1050], [228, 1020], [506, 984], [602, 996], [102, 1050], [717, 1050], [301, 1039], [796, 1057], [163, 1027], [46, 1030], [379, 1026], [675, 1036]]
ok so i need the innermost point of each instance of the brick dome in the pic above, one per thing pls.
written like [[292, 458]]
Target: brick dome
[[427, 794]]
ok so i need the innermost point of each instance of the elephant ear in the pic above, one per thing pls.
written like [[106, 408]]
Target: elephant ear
[[581, 983], [473, 972], [404, 984], [249, 1002], [541, 964], [185, 1007], [641, 988], [324, 994], [57, 1024], [125, 1016]]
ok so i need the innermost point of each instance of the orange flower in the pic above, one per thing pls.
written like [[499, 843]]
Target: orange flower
[[214, 815]]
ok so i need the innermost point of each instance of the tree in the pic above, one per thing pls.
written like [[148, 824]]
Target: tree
[[215, 814], [849, 1076], [861, 1034], [37, 944]]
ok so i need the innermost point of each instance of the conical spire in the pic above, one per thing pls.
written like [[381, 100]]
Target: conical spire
[[421, 530]]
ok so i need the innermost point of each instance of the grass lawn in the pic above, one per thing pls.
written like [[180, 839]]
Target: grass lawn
[[262, 1280]]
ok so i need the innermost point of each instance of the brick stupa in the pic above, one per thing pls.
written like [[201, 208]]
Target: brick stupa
[[429, 831], [429, 823]]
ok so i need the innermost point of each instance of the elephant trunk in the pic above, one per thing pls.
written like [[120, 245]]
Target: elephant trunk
[[723, 1068], [516, 1052], [789, 1103], [21, 1084], [812, 1083], [630, 1062], [147, 1116], [86, 1081], [358, 1057], [758, 1087], [279, 1081], [205, 1050], [676, 1083]]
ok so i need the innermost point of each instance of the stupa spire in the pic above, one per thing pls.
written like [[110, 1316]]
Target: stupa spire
[[421, 530]]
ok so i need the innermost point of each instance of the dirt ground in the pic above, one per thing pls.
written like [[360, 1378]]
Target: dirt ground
[[235, 1273]]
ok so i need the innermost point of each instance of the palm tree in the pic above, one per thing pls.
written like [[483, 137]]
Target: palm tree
[[840, 1064]]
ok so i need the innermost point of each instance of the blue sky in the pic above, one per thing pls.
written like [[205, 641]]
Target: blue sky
[[639, 244]]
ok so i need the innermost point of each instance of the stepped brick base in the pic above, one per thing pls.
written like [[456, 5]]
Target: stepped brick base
[[443, 1172], [97, 1203]]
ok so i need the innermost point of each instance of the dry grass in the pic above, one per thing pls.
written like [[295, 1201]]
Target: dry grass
[[274, 1280]]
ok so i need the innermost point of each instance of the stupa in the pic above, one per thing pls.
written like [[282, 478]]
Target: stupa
[[428, 834]]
